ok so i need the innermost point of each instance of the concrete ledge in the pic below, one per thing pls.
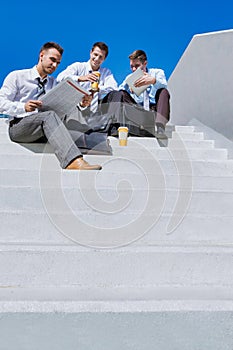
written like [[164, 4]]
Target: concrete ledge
[[201, 84]]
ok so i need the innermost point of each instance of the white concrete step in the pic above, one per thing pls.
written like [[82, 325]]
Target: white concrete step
[[164, 324], [185, 128], [36, 227], [169, 153], [136, 267], [33, 161], [199, 167], [117, 294], [187, 135], [110, 179], [31, 198], [173, 143], [132, 152], [185, 140]]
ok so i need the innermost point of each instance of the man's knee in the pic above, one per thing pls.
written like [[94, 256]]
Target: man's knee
[[166, 93], [162, 93], [117, 96], [52, 114], [114, 96], [52, 118]]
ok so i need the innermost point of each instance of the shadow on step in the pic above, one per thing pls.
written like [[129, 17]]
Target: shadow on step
[[42, 146]]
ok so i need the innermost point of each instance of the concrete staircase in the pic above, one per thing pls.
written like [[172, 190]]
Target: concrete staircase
[[137, 256]]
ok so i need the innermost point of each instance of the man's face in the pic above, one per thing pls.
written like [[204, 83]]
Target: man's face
[[97, 57], [135, 64], [49, 60]]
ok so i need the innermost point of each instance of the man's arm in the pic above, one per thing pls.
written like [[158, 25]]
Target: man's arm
[[124, 85], [8, 97], [161, 81], [72, 71], [107, 82]]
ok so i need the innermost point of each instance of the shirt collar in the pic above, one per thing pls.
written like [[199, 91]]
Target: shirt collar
[[89, 67], [35, 74]]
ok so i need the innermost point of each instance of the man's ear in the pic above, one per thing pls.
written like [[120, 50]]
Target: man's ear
[[144, 65], [41, 55]]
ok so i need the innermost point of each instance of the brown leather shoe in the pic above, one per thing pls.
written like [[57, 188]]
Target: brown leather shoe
[[81, 164]]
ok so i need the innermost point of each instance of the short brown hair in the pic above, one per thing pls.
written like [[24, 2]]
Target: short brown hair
[[138, 55], [52, 45], [101, 46]]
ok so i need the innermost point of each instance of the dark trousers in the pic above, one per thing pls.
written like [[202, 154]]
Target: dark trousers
[[113, 102]]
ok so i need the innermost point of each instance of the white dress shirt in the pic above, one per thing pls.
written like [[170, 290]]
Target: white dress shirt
[[107, 81], [19, 87], [161, 82]]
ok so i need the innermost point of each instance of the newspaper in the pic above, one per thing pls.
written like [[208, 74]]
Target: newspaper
[[63, 98], [130, 80]]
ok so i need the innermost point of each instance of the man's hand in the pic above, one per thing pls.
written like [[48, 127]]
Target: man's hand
[[86, 100], [146, 79], [89, 77], [32, 105]]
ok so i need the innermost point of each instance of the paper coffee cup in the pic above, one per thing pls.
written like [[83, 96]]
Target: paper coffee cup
[[123, 135]]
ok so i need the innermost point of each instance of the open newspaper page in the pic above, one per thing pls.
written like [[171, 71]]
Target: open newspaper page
[[130, 80], [63, 98]]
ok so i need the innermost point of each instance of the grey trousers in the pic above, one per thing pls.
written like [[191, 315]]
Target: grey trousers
[[31, 128]]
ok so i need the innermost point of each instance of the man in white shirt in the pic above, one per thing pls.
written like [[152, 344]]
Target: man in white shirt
[[19, 99], [84, 74], [155, 98]]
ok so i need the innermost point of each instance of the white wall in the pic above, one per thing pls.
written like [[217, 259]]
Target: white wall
[[201, 85]]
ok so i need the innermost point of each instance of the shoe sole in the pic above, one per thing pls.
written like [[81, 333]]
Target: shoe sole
[[161, 136]]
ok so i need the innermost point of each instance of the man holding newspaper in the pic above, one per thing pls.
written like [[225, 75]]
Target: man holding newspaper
[[142, 98], [20, 99]]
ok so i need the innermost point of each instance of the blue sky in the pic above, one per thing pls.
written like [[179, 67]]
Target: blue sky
[[162, 28]]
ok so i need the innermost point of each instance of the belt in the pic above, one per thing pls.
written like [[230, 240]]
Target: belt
[[14, 121]]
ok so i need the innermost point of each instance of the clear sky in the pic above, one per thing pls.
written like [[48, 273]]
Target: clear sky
[[162, 28]]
